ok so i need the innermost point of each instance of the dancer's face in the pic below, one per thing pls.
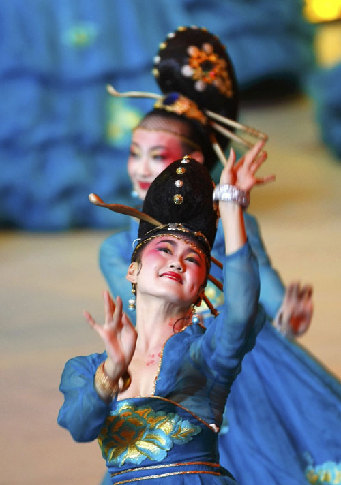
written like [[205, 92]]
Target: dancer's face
[[150, 153], [172, 268]]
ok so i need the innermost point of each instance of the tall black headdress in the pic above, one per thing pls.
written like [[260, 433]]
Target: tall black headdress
[[179, 202], [197, 79]]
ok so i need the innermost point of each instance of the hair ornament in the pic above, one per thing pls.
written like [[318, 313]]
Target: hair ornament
[[124, 209], [179, 104], [204, 66]]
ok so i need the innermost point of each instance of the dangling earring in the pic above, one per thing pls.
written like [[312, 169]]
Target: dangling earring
[[134, 194], [132, 300], [195, 318]]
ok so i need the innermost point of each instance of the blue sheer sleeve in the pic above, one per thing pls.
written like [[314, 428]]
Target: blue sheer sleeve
[[83, 411], [227, 339]]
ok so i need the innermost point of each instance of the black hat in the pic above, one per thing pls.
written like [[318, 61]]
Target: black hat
[[193, 62], [181, 199]]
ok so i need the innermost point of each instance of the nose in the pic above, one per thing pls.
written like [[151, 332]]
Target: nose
[[176, 264], [144, 167]]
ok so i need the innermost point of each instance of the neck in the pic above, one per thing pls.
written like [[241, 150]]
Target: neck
[[156, 321]]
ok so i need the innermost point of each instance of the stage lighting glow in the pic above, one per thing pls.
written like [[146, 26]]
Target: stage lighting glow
[[322, 10]]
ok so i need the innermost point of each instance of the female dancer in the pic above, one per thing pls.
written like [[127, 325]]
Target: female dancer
[[176, 127], [155, 398], [284, 408]]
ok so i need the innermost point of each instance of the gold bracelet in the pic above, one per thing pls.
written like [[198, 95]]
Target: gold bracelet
[[104, 383], [126, 378]]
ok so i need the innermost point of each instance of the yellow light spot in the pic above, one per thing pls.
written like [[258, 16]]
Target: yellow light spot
[[322, 10]]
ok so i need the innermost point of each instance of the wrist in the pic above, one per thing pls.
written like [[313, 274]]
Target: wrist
[[231, 193], [105, 386]]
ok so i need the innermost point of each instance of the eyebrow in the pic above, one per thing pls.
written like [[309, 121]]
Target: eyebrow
[[170, 241], [158, 147], [154, 147]]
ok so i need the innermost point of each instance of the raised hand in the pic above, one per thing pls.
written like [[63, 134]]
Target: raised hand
[[118, 335], [242, 173], [294, 317]]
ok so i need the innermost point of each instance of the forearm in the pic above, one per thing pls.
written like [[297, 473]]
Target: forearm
[[233, 225]]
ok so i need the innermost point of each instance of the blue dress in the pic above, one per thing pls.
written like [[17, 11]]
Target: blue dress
[[173, 433], [284, 408]]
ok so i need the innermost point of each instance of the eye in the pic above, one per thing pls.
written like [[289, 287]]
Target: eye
[[193, 259], [159, 157], [164, 249]]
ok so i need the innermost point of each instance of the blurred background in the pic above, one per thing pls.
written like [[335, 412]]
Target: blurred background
[[62, 136]]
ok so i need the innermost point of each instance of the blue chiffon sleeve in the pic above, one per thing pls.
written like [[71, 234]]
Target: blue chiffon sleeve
[[227, 339], [83, 411]]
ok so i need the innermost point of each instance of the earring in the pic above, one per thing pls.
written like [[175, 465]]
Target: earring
[[132, 300], [195, 318]]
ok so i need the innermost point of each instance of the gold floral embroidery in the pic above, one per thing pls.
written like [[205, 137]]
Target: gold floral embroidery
[[206, 67], [134, 434]]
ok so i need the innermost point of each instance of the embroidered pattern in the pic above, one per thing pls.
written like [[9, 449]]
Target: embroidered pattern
[[134, 434], [206, 67], [329, 473]]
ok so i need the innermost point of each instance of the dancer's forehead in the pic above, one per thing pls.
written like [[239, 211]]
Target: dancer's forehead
[[164, 121], [173, 125], [155, 139]]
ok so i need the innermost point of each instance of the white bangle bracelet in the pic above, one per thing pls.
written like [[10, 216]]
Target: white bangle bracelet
[[230, 193]]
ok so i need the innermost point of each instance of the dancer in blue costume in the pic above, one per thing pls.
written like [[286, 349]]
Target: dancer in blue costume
[[155, 398], [177, 127], [284, 401]]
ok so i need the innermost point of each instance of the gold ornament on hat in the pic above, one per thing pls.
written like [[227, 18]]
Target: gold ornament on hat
[[178, 199], [206, 67]]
